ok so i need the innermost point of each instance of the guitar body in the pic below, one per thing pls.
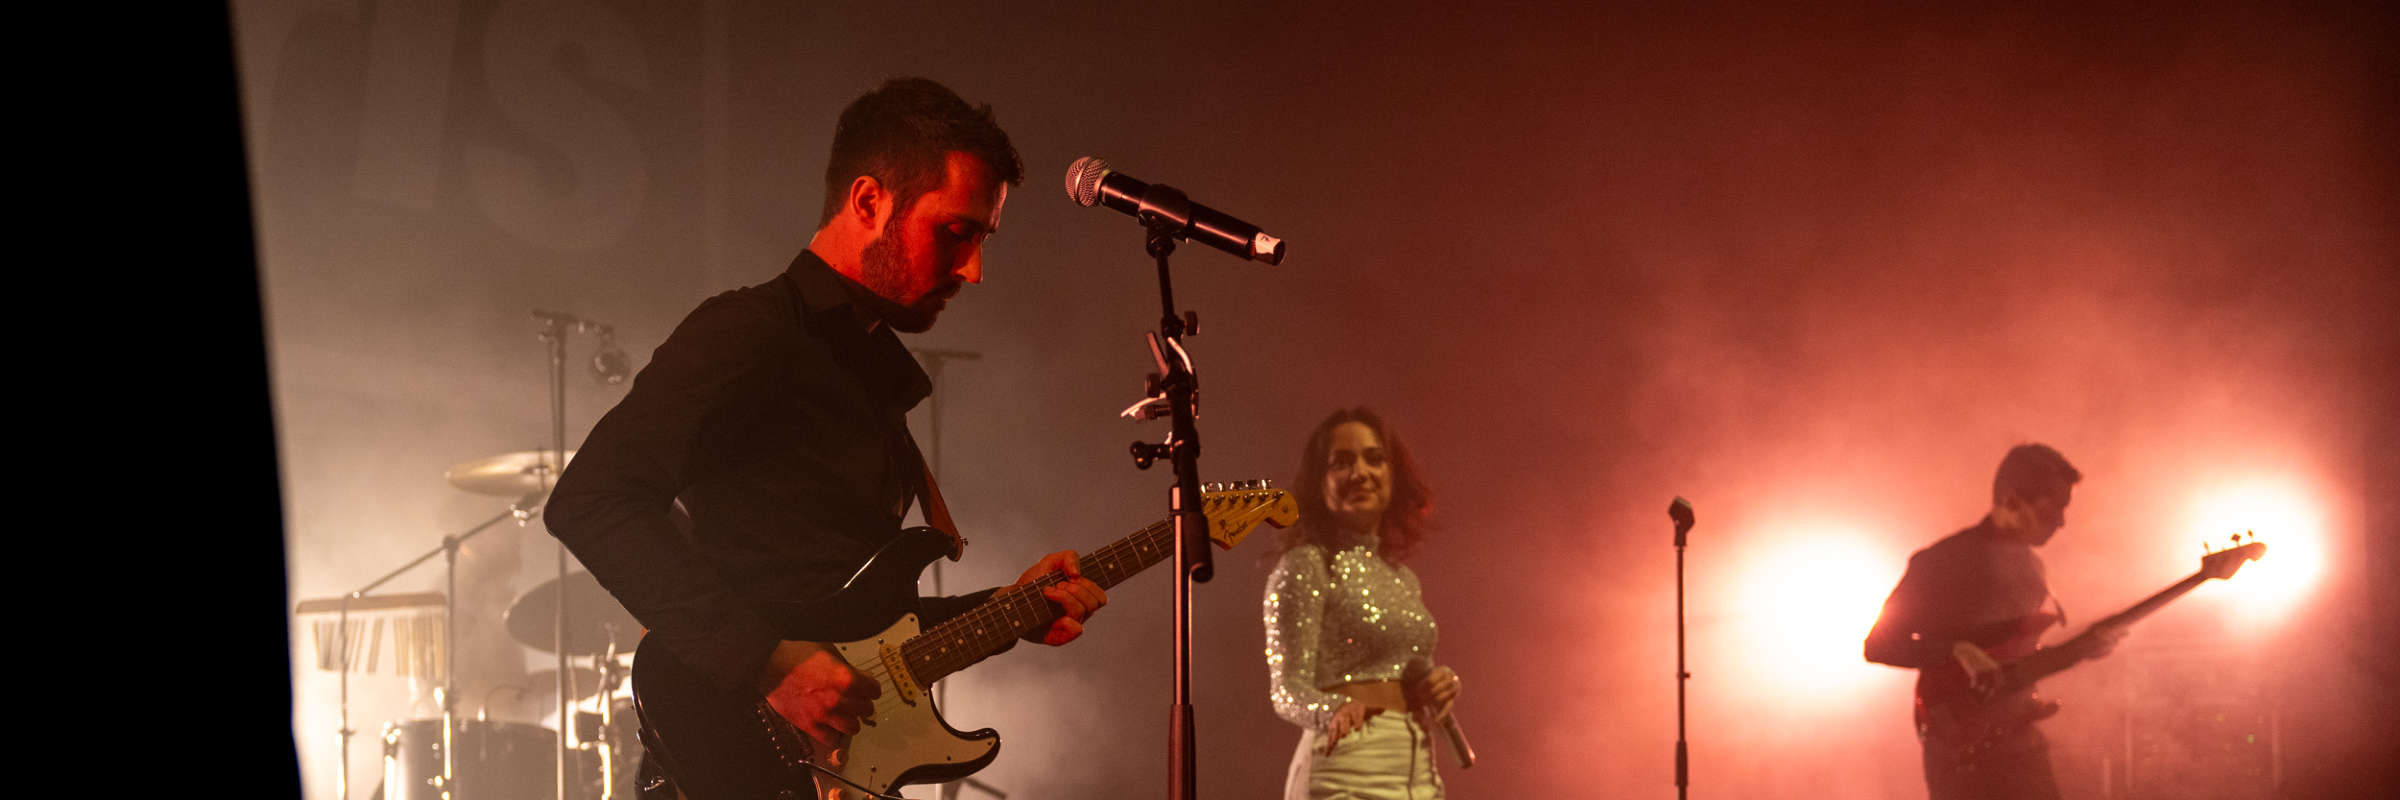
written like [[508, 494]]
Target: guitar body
[[727, 745], [730, 745], [1953, 714]]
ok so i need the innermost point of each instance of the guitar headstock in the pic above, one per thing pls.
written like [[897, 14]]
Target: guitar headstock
[[2224, 563], [1235, 508]]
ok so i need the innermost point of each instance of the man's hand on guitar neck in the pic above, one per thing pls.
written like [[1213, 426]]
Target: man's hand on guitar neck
[[811, 685], [1075, 596]]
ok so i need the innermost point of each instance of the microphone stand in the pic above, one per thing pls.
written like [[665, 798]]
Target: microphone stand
[[555, 328], [1681, 511], [1163, 214]]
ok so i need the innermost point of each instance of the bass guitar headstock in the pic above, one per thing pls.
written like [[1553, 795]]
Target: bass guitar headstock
[[1235, 508], [2221, 564]]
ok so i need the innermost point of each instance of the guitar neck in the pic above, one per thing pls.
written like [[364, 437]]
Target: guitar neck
[[972, 636], [2050, 661]]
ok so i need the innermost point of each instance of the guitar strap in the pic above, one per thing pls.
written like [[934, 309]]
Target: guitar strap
[[937, 513]]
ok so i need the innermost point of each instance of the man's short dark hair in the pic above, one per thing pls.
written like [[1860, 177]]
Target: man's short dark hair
[[901, 134], [2033, 470]]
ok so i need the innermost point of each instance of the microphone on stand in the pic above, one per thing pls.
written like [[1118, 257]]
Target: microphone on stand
[[609, 364], [1092, 183], [1681, 512], [1416, 670]]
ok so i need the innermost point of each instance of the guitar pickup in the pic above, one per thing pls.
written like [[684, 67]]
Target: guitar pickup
[[902, 682]]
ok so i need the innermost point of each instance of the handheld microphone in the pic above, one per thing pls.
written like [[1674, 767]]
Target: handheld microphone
[[1092, 183], [1416, 670]]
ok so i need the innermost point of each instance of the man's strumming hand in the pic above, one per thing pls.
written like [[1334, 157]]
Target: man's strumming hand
[[809, 684]]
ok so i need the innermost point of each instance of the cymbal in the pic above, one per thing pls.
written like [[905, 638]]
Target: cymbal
[[591, 614], [507, 474]]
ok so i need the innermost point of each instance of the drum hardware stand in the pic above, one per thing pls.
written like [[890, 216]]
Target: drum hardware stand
[[446, 695], [1681, 512], [1164, 212], [606, 740], [934, 360], [555, 328]]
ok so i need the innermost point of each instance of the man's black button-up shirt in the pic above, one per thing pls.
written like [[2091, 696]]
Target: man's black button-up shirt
[[781, 423]]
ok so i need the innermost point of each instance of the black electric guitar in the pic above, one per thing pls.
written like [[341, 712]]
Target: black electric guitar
[[1968, 720], [730, 745]]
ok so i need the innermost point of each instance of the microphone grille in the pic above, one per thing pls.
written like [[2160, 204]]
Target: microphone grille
[[1083, 180]]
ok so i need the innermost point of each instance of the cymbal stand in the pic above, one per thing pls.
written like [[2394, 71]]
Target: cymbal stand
[[935, 359], [446, 695]]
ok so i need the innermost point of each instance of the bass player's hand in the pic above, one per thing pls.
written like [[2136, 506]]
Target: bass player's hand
[[1076, 597], [811, 685], [1983, 672], [1347, 719]]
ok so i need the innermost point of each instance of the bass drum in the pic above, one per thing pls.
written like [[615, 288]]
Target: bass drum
[[495, 761]]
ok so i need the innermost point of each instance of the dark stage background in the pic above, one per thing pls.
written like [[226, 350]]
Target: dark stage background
[[1813, 270]]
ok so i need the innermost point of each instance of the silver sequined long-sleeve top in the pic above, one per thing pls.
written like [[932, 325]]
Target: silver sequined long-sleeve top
[[1362, 619]]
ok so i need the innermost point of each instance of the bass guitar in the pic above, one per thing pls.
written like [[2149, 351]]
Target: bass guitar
[[730, 745], [1969, 721]]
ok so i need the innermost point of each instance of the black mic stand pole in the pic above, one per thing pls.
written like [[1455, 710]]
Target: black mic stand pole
[[555, 328], [1681, 511], [554, 335], [1164, 213]]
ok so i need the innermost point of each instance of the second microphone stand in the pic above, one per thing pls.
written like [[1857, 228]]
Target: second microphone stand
[[1681, 512]]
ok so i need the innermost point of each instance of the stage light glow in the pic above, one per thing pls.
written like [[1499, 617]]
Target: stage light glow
[[2281, 515], [1806, 604]]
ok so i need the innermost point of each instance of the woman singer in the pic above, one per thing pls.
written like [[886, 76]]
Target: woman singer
[[1345, 620]]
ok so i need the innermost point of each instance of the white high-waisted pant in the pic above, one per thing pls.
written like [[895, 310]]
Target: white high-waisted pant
[[1390, 758]]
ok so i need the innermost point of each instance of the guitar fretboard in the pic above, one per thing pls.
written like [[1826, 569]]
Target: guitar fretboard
[[951, 646], [2050, 661]]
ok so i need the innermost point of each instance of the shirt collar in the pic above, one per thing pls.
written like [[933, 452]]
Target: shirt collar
[[825, 306]]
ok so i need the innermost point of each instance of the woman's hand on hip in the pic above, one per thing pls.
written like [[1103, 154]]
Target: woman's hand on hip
[[1347, 720]]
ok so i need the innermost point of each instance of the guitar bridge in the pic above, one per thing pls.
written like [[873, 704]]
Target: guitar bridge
[[792, 747]]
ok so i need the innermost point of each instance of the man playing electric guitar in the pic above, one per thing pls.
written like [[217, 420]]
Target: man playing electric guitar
[[775, 417], [1969, 602]]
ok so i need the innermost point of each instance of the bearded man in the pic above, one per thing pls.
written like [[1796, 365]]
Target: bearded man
[[775, 417]]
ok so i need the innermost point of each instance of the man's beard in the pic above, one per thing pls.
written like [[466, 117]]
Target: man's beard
[[886, 273]]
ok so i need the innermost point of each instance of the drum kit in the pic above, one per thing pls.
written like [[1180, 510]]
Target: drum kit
[[453, 757]]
